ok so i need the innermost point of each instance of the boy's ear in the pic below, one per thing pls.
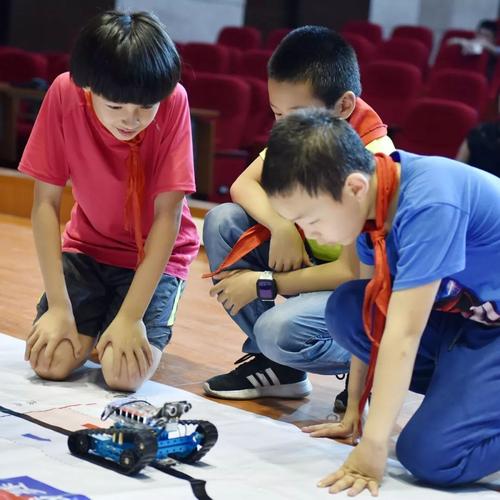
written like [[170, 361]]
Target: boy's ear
[[357, 185], [344, 107]]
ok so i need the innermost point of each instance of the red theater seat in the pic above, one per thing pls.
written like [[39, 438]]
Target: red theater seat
[[403, 50], [391, 87], [461, 86], [436, 127], [371, 31], [420, 33], [240, 37]]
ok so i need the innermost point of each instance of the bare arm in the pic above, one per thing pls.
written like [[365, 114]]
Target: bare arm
[[158, 248], [248, 193], [286, 251], [47, 235], [407, 317], [57, 323], [322, 277], [130, 358]]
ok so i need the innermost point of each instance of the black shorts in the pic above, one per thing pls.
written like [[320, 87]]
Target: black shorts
[[97, 291]]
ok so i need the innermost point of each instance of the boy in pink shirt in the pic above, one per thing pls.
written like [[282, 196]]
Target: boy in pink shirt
[[118, 126]]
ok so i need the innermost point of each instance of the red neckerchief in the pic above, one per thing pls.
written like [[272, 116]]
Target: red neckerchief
[[135, 186], [378, 291]]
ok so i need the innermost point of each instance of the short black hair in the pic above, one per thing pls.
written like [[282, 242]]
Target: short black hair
[[488, 24], [126, 58], [313, 150], [320, 56]]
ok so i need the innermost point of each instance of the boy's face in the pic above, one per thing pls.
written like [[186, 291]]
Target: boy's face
[[323, 219], [285, 97], [124, 121]]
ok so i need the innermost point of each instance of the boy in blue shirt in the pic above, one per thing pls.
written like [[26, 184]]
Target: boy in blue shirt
[[428, 235]]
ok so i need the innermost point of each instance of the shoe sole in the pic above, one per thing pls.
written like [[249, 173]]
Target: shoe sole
[[298, 390]]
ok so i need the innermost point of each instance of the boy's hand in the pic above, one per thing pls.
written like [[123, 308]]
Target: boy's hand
[[363, 469], [236, 289], [130, 344], [54, 326], [346, 429], [287, 251]]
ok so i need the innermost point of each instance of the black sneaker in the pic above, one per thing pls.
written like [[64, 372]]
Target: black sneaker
[[259, 377], [340, 404]]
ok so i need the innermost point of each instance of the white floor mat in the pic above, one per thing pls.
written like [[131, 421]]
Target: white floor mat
[[255, 457]]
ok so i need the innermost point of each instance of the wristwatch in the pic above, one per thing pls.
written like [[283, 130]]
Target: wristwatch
[[266, 287]]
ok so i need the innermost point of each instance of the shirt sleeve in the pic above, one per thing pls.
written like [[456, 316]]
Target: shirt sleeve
[[431, 245], [382, 145], [43, 157], [175, 168]]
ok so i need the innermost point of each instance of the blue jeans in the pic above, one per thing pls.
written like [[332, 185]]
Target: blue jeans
[[293, 333], [454, 436]]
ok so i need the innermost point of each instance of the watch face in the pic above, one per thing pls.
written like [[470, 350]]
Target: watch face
[[266, 290]]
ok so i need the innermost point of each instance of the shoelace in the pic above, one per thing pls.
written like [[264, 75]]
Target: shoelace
[[244, 361], [245, 357]]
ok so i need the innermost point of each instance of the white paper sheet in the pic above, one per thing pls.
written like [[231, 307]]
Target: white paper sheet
[[255, 457]]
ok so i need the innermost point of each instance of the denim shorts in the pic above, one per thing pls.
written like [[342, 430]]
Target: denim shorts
[[97, 291]]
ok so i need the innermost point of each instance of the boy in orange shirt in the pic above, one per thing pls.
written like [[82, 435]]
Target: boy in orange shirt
[[312, 66]]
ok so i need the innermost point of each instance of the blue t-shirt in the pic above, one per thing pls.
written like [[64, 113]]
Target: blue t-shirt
[[446, 227]]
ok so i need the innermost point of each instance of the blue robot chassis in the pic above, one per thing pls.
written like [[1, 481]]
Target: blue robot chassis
[[142, 434]]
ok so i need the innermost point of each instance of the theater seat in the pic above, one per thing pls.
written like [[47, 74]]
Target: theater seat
[[403, 50], [240, 37], [436, 127], [230, 96], [371, 31], [460, 86], [420, 33], [391, 87]]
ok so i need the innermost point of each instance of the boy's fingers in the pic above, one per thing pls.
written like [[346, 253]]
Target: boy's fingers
[[342, 484], [331, 478], [373, 488], [141, 362], [133, 367], [148, 352], [216, 289], [358, 486], [50, 349], [33, 331], [29, 345], [35, 350], [117, 362], [75, 343], [225, 274]]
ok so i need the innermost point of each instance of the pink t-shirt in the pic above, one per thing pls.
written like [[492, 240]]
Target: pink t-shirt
[[69, 142]]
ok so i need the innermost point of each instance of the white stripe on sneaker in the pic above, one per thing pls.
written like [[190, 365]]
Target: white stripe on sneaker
[[253, 381], [274, 379], [263, 379]]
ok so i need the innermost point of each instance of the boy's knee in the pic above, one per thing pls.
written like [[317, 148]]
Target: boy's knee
[[221, 218], [56, 371], [422, 453], [60, 366], [340, 308], [273, 333], [121, 382]]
